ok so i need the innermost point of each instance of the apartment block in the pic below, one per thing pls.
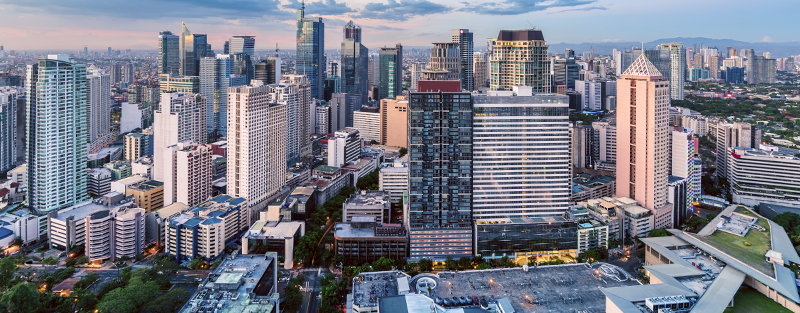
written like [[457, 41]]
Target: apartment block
[[148, 195], [394, 122], [205, 230]]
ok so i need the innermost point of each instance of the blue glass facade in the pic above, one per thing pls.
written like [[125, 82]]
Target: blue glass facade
[[391, 72], [311, 52]]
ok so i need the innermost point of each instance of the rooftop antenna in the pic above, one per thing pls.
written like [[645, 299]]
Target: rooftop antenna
[[529, 23]]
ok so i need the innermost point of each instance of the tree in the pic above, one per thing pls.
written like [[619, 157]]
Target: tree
[[403, 151], [17, 241], [658, 232], [592, 255], [373, 142], [464, 263], [86, 281], [383, 264], [425, 265], [450, 264], [7, 269], [23, 297], [196, 263], [129, 299], [483, 266], [292, 298], [696, 223], [710, 216], [169, 302]]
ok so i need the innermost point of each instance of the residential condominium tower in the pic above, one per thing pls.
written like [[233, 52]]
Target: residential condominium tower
[[447, 57], [310, 59], [519, 58], [180, 118], [463, 37], [99, 114], [677, 68], [216, 75], [57, 132], [8, 127], [355, 62], [256, 143], [440, 145], [643, 130], [521, 160]]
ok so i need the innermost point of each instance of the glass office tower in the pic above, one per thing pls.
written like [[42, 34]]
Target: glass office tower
[[463, 37], [391, 72], [355, 62], [311, 51], [169, 59]]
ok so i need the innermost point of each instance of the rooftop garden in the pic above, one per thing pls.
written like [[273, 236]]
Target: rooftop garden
[[749, 249]]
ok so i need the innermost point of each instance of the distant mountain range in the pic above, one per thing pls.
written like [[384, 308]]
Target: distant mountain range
[[777, 49]]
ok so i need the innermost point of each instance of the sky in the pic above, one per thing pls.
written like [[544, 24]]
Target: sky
[[134, 24]]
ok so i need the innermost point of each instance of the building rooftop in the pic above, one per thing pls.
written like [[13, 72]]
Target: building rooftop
[[273, 229], [368, 197], [369, 287], [129, 181], [522, 220], [346, 230], [247, 273], [81, 211], [327, 169]]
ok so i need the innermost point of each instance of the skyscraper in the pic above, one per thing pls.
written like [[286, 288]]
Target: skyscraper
[[564, 72], [269, 71], [8, 127], [463, 37], [447, 57], [311, 51], [521, 161], [677, 68], [242, 44], [299, 113], [169, 59], [57, 133], [216, 75], [99, 113], [180, 118], [391, 72], [188, 57], [642, 128], [439, 211], [480, 69], [519, 58], [713, 66], [355, 63], [256, 144]]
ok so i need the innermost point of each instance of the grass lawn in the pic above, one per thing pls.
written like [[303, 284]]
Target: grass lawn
[[748, 300], [751, 255]]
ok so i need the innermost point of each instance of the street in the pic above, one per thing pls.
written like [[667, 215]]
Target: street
[[310, 289]]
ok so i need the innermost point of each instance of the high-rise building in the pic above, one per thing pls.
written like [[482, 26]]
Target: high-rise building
[[243, 66], [713, 66], [169, 59], [565, 72], [343, 106], [323, 118], [57, 132], [99, 114], [463, 37], [216, 75], [760, 69], [682, 160], [755, 175], [128, 73], [115, 70], [345, 147], [256, 144], [355, 63], [416, 73], [677, 68], [187, 173], [242, 44], [299, 114], [521, 161], [519, 58], [480, 70], [439, 210], [193, 48], [734, 75], [269, 71], [642, 128], [8, 127], [310, 59], [181, 84], [447, 57], [394, 122], [605, 135], [135, 146], [181, 118], [368, 121], [391, 72]]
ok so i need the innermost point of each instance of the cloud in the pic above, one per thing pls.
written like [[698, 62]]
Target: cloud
[[516, 7], [383, 27], [766, 39], [157, 9], [602, 8], [402, 10], [323, 7]]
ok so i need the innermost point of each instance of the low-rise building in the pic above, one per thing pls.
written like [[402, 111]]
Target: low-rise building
[[274, 236], [306, 202], [585, 187], [624, 217], [328, 182], [759, 176], [360, 168], [142, 167], [374, 203], [394, 179], [157, 219], [592, 234], [526, 240], [244, 283], [136, 146], [98, 182], [121, 186], [364, 240], [148, 195], [109, 227], [119, 169], [203, 231]]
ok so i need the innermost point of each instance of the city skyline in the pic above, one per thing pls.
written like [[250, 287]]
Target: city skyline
[[43, 25]]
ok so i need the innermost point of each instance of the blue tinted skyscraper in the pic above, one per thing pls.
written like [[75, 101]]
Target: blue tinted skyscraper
[[243, 50], [391, 72], [355, 62], [8, 126], [463, 37], [169, 59], [216, 75], [57, 133], [440, 177], [311, 51]]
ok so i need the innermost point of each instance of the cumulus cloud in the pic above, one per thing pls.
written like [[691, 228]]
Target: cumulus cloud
[[323, 7], [602, 8], [766, 39], [402, 10], [516, 7]]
